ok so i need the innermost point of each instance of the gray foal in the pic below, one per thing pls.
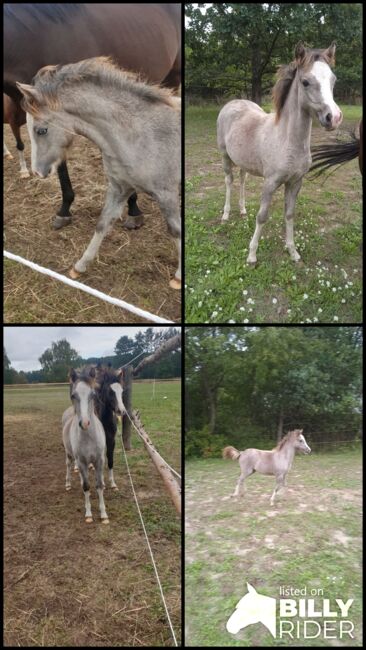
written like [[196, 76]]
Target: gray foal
[[276, 462], [84, 438], [276, 146], [136, 126]]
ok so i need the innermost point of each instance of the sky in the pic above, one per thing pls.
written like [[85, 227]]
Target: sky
[[24, 345]]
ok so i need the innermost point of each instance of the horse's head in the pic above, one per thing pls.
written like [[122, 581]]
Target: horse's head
[[316, 82], [300, 442], [82, 394], [253, 608], [109, 385]]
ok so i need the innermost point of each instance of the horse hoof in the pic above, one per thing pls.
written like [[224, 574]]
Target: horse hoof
[[105, 521], [133, 223], [74, 274], [115, 488], [60, 222], [8, 156], [88, 520], [76, 470], [175, 284], [243, 214], [24, 175], [68, 488]]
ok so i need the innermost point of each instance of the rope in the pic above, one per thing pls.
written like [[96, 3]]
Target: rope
[[129, 362], [83, 287], [149, 547], [152, 446]]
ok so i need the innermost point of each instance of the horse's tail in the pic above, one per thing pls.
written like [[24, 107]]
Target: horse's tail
[[230, 452], [327, 155]]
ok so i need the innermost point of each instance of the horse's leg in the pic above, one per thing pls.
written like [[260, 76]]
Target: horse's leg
[[280, 481], [245, 471], [7, 153], [269, 187], [99, 485], [228, 167], [76, 469], [68, 471], [110, 439], [239, 485], [291, 192], [63, 217], [135, 218], [242, 193], [113, 206], [169, 206], [24, 173], [84, 480]]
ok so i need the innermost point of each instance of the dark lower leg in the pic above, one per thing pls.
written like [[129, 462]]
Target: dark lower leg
[[63, 217], [135, 218]]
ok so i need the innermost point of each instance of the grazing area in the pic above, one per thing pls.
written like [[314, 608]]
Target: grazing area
[[68, 583], [134, 266], [324, 287], [311, 537]]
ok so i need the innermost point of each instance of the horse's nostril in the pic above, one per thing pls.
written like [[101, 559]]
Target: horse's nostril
[[328, 118]]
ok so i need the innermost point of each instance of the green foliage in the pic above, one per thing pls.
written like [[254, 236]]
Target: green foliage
[[234, 49], [57, 360], [262, 381], [203, 444]]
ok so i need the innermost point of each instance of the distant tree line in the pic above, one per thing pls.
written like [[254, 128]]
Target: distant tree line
[[57, 360], [233, 50], [248, 386]]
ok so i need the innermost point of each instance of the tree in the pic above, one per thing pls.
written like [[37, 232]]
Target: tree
[[57, 360]]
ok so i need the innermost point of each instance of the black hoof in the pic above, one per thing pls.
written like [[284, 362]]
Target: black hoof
[[132, 223], [60, 222]]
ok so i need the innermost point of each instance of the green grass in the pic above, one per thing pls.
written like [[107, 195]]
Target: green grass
[[311, 538], [324, 287]]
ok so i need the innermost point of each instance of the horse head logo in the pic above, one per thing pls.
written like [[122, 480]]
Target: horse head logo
[[253, 608]]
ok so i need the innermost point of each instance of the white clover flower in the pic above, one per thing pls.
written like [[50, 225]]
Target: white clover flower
[[334, 289], [242, 309], [335, 318], [245, 292], [214, 314], [274, 300], [245, 320], [294, 277], [343, 300], [305, 296], [231, 321], [200, 303], [320, 310]]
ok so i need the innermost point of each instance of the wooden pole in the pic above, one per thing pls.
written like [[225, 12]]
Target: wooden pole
[[167, 346], [170, 482], [127, 401]]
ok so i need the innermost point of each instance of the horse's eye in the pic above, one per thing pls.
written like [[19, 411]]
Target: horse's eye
[[41, 131], [305, 83]]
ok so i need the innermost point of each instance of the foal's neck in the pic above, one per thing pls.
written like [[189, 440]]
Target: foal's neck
[[295, 122]]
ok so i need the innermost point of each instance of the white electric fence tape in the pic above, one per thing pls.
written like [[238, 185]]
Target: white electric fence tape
[[83, 287]]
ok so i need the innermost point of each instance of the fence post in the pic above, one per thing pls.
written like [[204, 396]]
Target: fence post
[[127, 401]]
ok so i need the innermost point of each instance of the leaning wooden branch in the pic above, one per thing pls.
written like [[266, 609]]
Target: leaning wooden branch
[[169, 481], [167, 346]]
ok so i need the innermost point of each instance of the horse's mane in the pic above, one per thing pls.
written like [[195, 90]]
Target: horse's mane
[[286, 75], [102, 72], [285, 439]]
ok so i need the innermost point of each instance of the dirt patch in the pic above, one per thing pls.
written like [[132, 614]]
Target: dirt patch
[[134, 266]]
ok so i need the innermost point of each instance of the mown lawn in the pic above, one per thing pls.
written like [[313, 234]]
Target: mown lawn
[[324, 287]]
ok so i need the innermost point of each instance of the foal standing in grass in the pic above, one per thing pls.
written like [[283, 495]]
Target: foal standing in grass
[[83, 437], [276, 462], [136, 127], [276, 146]]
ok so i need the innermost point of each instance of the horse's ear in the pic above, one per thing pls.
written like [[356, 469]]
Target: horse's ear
[[92, 372], [251, 589], [300, 52], [120, 374], [72, 375], [329, 53]]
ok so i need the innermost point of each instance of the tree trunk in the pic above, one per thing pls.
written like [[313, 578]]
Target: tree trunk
[[256, 75], [280, 425]]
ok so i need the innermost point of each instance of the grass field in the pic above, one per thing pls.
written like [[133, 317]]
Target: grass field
[[72, 584], [311, 538], [324, 287]]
